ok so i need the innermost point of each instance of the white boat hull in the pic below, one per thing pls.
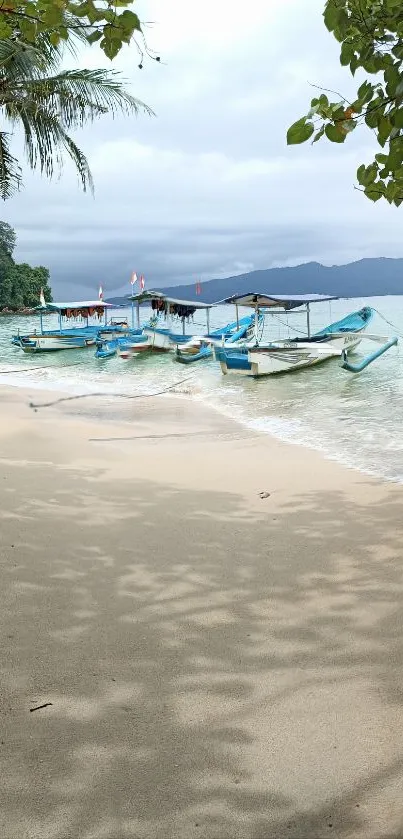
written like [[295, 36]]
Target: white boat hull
[[285, 356], [159, 339], [133, 348], [52, 343]]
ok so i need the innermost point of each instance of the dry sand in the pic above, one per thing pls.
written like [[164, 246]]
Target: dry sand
[[218, 665]]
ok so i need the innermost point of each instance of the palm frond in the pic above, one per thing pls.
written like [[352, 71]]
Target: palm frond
[[45, 141], [10, 171], [98, 89], [48, 104]]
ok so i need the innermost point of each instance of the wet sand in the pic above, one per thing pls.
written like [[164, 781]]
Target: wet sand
[[218, 665]]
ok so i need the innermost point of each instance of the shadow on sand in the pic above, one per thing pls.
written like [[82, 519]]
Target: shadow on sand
[[222, 681]]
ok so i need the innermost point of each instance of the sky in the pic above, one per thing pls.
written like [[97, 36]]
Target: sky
[[208, 187]]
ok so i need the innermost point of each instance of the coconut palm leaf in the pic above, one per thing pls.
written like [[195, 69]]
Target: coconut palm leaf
[[47, 106], [10, 171]]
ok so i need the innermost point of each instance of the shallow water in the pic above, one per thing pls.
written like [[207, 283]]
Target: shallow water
[[355, 419]]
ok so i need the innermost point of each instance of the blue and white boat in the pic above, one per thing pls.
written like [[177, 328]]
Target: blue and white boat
[[71, 337], [158, 335], [201, 348], [258, 358], [107, 347]]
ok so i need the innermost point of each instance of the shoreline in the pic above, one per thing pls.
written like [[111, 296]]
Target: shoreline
[[194, 399]]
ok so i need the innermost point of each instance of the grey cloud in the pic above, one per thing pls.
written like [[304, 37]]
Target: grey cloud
[[183, 256]]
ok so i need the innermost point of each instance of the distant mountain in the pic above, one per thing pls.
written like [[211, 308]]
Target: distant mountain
[[365, 278]]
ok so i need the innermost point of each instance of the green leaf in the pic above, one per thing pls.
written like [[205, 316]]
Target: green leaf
[[95, 36], [354, 65], [346, 53], [384, 129], [365, 92], [111, 47], [129, 21], [299, 132], [397, 117], [5, 29], [382, 158], [334, 133], [391, 190], [361, 174], [372, 117], [373, 193], [318, 135], [331, 15]]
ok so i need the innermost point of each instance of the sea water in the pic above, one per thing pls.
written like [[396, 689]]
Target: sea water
[[354, 419]]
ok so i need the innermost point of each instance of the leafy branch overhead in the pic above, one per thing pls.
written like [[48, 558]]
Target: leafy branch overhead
[[370, 33], [110, 22]]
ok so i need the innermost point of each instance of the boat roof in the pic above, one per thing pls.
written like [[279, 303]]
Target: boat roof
[[284, 301], [76, 304], [144, 296]]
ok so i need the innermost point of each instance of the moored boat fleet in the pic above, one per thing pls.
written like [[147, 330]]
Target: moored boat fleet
[[238, 347]]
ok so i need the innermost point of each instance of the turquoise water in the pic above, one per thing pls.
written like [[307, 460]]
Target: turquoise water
[[355, 419]]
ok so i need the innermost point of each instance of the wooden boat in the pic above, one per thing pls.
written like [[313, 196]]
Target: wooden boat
[[158, 335], [259, 358], [199, 348], [74, 337], [107, 347]]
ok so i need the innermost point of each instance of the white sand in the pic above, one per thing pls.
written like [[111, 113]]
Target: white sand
[[219, 666]]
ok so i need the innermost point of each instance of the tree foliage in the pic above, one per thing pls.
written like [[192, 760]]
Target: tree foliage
[[370, 33], [112, 23], [7, 237], [20, 285], [48, 103]]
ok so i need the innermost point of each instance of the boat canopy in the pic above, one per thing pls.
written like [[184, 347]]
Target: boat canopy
[[149, 296], [85, 308], [283, 301]]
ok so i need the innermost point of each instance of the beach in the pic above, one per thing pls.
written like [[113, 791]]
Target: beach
[[211, 619]]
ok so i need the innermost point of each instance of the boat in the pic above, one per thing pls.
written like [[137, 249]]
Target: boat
[[158, 335], [199, 348], [258, 358], [107, 347], [75, 337]]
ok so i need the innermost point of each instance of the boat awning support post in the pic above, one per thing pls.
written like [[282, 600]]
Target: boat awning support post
[[132, 314], [208, 321], [106, 317], [138, 315], [40, 321], [308, 320], [237, 315], [183, 327], [60, 321], [256, 323]]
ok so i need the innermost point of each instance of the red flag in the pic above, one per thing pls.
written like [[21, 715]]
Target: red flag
[[101, 293], [142, 283], [198, 288], [133, 278]]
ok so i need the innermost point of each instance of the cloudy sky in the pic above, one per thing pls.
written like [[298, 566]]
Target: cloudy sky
[[208, 187]]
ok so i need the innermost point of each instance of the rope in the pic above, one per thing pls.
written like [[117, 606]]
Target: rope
[[43, 367], [36, 405], [389, 323], [294, 328]]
